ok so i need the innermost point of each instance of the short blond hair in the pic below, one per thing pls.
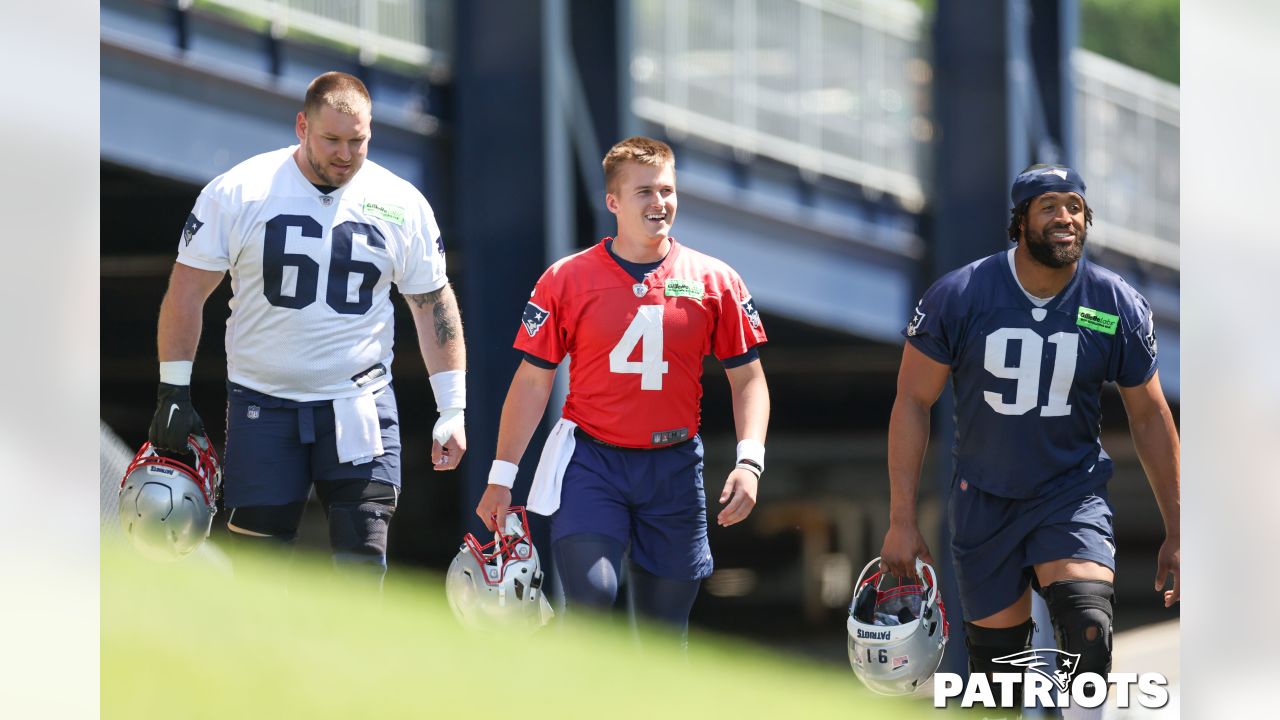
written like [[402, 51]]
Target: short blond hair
[[340, 91], [638, 149]]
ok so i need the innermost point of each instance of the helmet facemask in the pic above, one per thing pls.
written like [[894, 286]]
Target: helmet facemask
[[499, 582]]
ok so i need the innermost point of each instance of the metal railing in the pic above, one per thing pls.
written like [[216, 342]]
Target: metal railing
[[414, 32], [834, 87], [841, 88], [1127, 123]]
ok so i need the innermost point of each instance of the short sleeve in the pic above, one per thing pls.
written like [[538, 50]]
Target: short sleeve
[[1138, 361], [203, 243], [423, 267], [540, 332], [738, 327], [926, 331]]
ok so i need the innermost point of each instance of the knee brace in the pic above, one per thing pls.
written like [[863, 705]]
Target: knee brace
[[358, 532], [1082, 611], [359, 517], [271, 522]]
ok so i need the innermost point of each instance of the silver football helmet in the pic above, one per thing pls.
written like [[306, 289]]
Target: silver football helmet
[[499, 585], [897, 634], [166, 505]]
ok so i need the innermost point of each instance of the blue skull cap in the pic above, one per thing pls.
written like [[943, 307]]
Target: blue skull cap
[[1055, 178]]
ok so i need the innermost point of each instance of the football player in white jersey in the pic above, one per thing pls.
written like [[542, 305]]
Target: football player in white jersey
[[313, 236]]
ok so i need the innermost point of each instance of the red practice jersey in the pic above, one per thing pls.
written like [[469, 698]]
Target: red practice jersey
[[636, 348]]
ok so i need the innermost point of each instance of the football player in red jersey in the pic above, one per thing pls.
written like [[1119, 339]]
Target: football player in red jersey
[[622, 469]]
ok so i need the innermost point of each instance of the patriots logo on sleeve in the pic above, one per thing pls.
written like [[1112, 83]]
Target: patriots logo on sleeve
[[190, 229], [753, 316], [534, 316], [913, 327], [440, 244]]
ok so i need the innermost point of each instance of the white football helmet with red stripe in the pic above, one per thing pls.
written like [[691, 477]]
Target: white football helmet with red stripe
[[897, 633], [499, 584], [167, 505]]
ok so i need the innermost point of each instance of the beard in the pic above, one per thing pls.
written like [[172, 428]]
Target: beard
[[323, 174], [1052, 254]]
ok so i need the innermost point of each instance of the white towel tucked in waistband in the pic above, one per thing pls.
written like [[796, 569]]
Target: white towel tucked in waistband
[[544, 495], [355, 423]]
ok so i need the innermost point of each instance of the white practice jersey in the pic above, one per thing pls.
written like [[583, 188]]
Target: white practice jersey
[[311, 274]]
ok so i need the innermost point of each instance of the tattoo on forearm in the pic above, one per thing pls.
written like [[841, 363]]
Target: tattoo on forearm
[[448, 323], [424, 299]]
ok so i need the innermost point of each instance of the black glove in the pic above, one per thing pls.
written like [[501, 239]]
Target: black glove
[[175, 419]]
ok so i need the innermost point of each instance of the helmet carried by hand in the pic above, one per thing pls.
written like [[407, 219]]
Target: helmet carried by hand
[[499, 584], [166, 504], [897, 630]]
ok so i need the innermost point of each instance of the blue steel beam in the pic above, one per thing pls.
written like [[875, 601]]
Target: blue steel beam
[[1002, 89]]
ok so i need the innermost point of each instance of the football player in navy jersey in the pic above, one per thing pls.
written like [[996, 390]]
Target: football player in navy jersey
[[1029, 336]]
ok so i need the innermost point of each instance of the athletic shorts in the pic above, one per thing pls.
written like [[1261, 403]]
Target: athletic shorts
[[277, 448], [997, 541], [652, 500]]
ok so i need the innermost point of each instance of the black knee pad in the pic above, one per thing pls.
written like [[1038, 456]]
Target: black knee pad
[[269, 522], [1082, 612], [359, 516], [986, 644]]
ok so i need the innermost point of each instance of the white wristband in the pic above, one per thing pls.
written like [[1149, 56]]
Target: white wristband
[[752, 450], [450, 389], [176, 372], [503, 473]]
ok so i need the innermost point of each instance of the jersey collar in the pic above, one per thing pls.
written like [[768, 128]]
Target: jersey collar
[[657, 278], [1056, 301]]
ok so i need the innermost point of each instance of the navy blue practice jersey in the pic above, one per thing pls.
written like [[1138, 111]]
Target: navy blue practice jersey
[[1028, 381]]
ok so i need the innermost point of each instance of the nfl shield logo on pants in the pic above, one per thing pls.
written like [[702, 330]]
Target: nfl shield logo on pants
[[254, 411]]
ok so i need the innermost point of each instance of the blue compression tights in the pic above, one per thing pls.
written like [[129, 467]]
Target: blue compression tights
[[589, 566]]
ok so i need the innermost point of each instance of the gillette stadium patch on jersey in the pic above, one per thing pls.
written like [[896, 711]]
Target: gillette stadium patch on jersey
[[686, 288], [1097, 320], [390, 213]]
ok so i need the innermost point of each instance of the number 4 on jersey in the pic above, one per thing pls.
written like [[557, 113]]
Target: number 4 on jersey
[[645, 329]]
